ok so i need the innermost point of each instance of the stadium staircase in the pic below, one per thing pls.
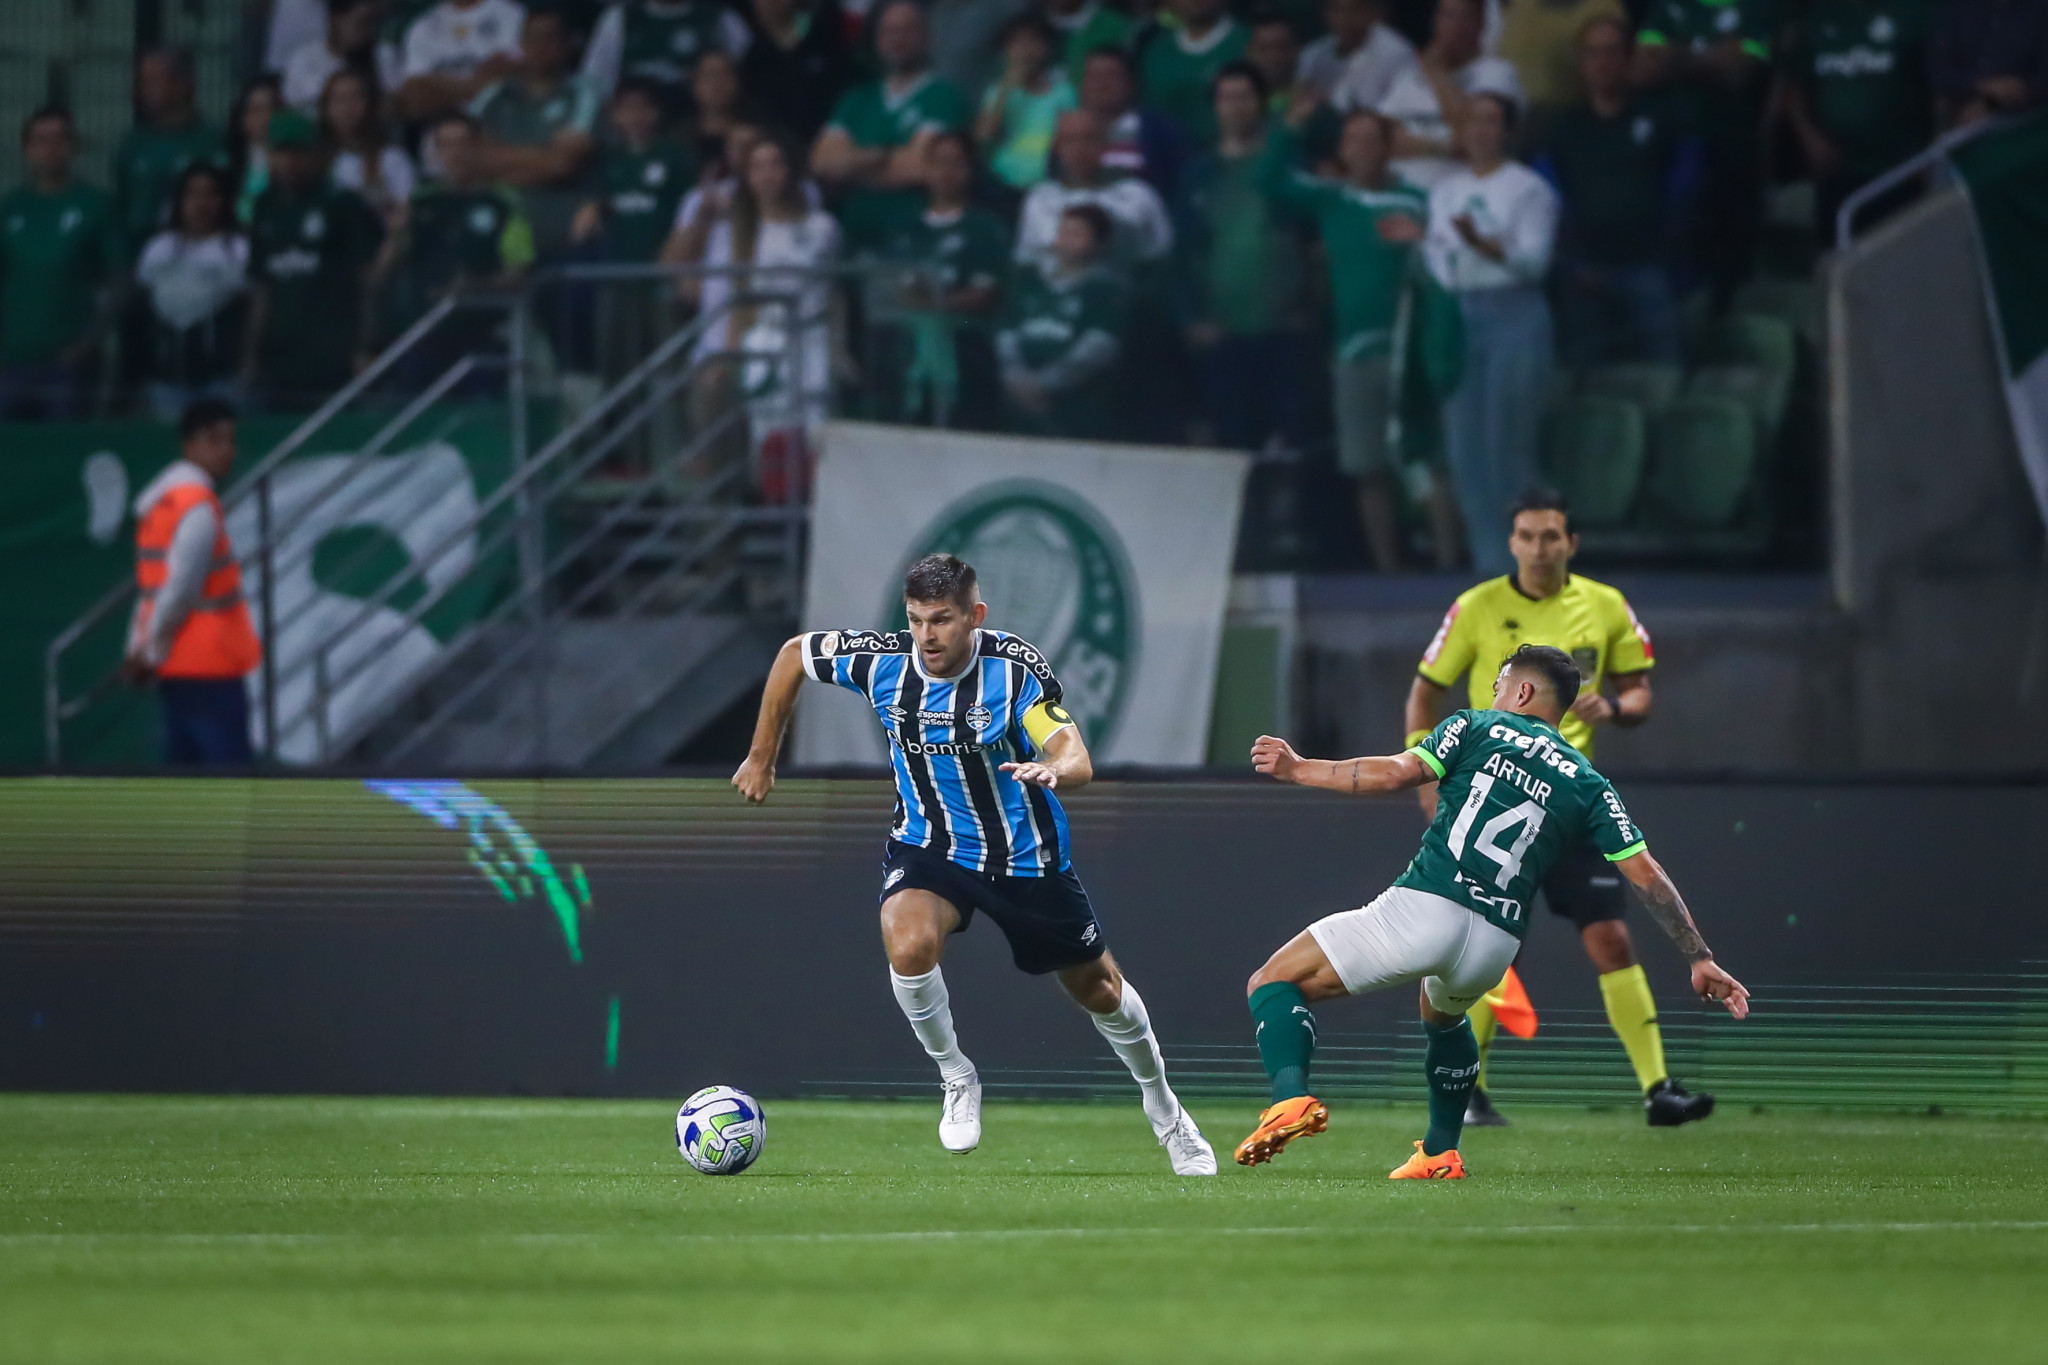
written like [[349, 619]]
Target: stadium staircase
[[631, 621]]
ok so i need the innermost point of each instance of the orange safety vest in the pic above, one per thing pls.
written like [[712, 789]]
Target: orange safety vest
[[217, 639]]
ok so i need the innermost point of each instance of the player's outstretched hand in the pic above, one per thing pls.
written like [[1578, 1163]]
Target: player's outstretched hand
[[1709, 982], [1275, 758], [1037, 774], [755, 780]]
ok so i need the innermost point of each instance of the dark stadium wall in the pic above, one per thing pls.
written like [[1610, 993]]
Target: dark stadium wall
[[646, 937]]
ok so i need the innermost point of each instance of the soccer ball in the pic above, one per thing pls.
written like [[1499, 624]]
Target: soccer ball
[[719, 1130]]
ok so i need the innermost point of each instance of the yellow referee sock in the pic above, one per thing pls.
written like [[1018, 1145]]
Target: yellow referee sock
[[1484, 1025], [1633, 1012]]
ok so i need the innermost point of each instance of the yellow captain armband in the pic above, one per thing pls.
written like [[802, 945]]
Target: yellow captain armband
[[1045, 720]]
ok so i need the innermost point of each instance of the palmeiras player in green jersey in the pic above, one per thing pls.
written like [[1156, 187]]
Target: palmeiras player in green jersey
[[1513, 797]]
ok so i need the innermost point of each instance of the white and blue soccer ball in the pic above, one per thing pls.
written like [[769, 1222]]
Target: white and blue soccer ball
[[719, 1130]]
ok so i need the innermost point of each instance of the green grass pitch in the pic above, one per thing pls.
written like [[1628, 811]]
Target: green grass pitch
[[329, 1230]]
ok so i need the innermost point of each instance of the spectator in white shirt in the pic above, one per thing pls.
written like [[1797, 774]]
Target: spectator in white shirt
[[365, 160], [1353, 66], [1144, 230], [453, 51], [1429, 100], [350, 42], [195, 276], [1491, 229]]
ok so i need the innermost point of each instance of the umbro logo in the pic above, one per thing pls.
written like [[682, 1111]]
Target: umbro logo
[[895, 876]]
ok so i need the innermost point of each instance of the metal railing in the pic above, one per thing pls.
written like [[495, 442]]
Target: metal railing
[[1930, 158], [683, 535]]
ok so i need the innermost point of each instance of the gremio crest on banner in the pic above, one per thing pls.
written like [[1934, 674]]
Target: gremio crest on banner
[[1053, 571]]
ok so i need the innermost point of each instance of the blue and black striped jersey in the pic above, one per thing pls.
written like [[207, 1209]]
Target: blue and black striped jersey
[[948, 739]]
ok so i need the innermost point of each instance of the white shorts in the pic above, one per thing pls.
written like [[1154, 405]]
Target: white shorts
[[1408, 935]]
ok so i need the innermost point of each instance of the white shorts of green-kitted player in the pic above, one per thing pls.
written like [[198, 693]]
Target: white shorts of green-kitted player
[[1408, 935]]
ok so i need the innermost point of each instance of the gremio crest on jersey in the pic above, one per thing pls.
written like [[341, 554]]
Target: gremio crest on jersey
[[1054, 574]]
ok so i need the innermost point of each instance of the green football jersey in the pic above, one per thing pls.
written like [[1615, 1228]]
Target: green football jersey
[[146, 164], [1055, 323], [1178, 78], [969, 249], [310, 251], [641, 192], [1726, 117], [662, 42], [56, 250], [1367, 272], [1512, 796], [1864, 66], [871, 117]]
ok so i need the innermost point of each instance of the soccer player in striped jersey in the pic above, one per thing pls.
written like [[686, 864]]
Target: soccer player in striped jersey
[[980, 745]]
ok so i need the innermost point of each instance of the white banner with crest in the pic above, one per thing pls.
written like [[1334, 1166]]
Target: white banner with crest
[[1112, 559]]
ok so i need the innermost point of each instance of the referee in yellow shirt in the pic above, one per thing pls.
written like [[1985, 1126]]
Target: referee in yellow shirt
[[1543, 603]]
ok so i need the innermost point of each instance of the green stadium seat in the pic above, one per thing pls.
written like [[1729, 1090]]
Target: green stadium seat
[[1593, 449], [1769, 343], [1796, 302], [1750, 385], [1646, 384], [1703, 456]]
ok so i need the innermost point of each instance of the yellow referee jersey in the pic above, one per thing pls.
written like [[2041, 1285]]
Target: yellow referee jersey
[[1587, 620]]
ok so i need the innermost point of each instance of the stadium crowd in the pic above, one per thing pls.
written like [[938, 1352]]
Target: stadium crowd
[[1380, 227]]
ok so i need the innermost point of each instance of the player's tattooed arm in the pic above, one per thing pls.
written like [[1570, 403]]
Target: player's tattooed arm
[[1660, 897], [1358, 776], [756, 777]]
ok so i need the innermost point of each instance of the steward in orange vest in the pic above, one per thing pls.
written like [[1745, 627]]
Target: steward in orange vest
[[191, 631]]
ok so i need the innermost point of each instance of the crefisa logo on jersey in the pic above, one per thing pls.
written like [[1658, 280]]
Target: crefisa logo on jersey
[[1054, 574]]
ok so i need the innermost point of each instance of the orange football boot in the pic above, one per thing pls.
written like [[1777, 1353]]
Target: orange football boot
[[1281, 1124], [1443, 1166]]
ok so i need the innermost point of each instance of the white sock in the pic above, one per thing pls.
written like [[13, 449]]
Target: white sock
[[926, 1005], [1129, 1031]]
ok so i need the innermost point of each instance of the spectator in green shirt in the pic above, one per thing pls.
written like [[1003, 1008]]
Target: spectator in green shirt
[[1618, 160], [168, 136], [1857, 96], [1177, 66], [872, 152], [1714, 56], [1371, 223], [931, 346], [59, 250], [1240, 265], [1083, 27], [461, 234], [1021, 110], [539, 128], [311, 245], [1062, 349], [1275, 49]]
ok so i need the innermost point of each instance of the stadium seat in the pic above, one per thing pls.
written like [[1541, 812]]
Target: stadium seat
[[1593, 450], [1769, 343], [1703, 454], [1646, 384], [1750, 385]]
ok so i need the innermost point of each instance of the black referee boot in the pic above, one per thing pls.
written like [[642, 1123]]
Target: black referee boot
[[1480, 1113], [1668, 1105]]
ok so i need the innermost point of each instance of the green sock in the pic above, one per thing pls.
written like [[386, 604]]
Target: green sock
[[1287, 1036], [1451, 1061]]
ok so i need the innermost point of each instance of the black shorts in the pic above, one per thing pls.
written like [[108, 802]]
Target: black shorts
[[1048, 920], [1585, 888]]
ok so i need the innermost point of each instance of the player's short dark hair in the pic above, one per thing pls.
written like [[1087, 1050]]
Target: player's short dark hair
[[1542, 500], [940, 578], [1242, 70], [1097, 218], [48, 113], [1556, 668], [201, 413]]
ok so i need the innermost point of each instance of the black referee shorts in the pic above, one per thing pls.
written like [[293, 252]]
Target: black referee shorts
[[1048, 920], [1585, 888]]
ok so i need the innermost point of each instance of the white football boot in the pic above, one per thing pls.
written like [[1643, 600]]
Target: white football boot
[[960, 1119], [1189, 1151]]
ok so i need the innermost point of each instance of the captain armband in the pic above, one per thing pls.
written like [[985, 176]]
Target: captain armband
[[1045, 720]]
